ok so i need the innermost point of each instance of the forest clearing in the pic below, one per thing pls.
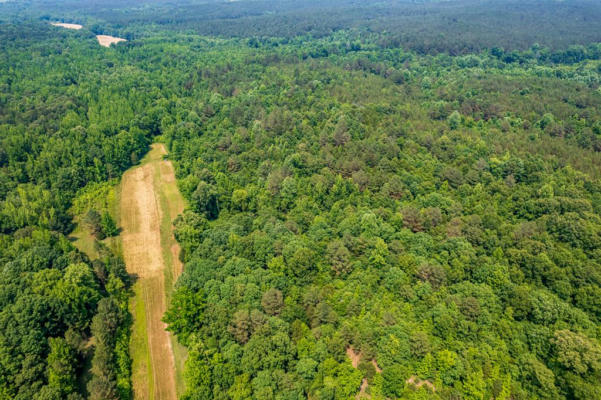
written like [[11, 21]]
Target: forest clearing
[[103, 40], [65, 25], [147, 200], [106, 40]]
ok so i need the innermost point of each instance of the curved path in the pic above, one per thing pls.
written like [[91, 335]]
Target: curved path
[[149, 203]]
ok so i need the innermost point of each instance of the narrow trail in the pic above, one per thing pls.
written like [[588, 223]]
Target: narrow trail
[[149, 202]]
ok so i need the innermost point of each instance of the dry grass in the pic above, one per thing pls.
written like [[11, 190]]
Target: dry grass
[[68, 26], [83, 240], [106, 40], [148, 205], [171, 205]]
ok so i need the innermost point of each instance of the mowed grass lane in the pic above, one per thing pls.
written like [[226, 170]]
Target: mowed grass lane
[[149, 203]]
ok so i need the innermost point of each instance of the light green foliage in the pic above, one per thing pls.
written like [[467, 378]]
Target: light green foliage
[[61, 366], [98, 195], [79, 291], [186, 313], [577, 353]]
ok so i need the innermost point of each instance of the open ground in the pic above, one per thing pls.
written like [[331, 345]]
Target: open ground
[[106, 40], [68, 26], [149, 203]]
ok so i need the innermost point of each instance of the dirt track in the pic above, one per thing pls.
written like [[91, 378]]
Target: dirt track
[[142, 209]]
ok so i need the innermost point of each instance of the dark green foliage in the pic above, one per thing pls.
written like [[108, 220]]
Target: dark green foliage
[[94, 223], [426, 27], [103, 384], [204, 199]]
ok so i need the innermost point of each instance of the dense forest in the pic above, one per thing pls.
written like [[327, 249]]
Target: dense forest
[[443, 225], [426, 27], [395, 201]]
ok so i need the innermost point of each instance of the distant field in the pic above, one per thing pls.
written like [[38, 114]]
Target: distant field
[[68, 26], [103, 40], [106, 40]]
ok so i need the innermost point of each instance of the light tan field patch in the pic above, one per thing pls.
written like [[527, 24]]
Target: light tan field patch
[[65, 25], [106, 40]]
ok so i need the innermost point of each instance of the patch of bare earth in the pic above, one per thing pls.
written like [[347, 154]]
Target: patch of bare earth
[[376, 366], [106, 40], [140, 220], [65, 25], [363, 391], [355, 358]]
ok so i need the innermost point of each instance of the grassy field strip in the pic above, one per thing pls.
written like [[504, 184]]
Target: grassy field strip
[[149, 203], [171, 204], [142, 370]]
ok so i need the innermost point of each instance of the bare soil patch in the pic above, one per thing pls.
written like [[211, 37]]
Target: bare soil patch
[[376, 366], [355, 358], [363, 391], [65, 25], [106, 40]]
